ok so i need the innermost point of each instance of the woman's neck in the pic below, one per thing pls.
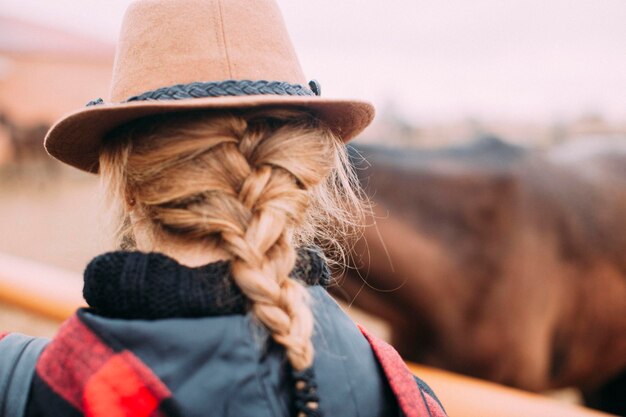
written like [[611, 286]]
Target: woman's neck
[[193, 255], [186, 253]]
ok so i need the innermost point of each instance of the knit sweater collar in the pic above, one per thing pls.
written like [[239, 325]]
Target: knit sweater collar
[[137, 285]]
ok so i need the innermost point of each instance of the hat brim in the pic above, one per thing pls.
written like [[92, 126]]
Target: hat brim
[[76, 138]]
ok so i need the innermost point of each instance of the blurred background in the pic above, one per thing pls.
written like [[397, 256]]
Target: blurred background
[[503, 123]]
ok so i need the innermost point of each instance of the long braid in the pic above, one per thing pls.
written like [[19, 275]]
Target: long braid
[[245, 183], [277, 201]]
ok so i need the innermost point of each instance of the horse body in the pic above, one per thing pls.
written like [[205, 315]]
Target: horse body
[[498, 262]]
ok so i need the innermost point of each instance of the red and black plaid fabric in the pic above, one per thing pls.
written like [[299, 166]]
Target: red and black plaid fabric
[[79, 370], [413, 401]]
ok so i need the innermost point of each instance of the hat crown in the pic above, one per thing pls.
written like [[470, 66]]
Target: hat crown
[[168, 42]]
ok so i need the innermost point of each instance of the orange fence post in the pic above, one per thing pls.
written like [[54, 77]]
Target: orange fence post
[[42, 289], [469, 397]]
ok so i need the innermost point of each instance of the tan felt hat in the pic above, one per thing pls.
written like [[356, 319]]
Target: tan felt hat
[[176, 55]]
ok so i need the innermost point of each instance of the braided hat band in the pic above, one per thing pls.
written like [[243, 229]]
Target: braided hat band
[[224, 88]]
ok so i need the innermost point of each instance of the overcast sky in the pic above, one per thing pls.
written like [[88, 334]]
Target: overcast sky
[[435, 59]]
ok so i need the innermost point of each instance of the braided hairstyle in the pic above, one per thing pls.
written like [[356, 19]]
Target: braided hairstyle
[[255, 184]]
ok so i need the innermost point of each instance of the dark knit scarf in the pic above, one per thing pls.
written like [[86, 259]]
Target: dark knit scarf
[[137, 285]]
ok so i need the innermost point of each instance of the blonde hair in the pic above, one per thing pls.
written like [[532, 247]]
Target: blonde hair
[[256, 184]]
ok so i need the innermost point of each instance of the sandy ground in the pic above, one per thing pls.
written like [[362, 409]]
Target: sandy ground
[[54, 218]]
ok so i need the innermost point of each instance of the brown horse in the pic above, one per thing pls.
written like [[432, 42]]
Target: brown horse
[[498, 262]]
